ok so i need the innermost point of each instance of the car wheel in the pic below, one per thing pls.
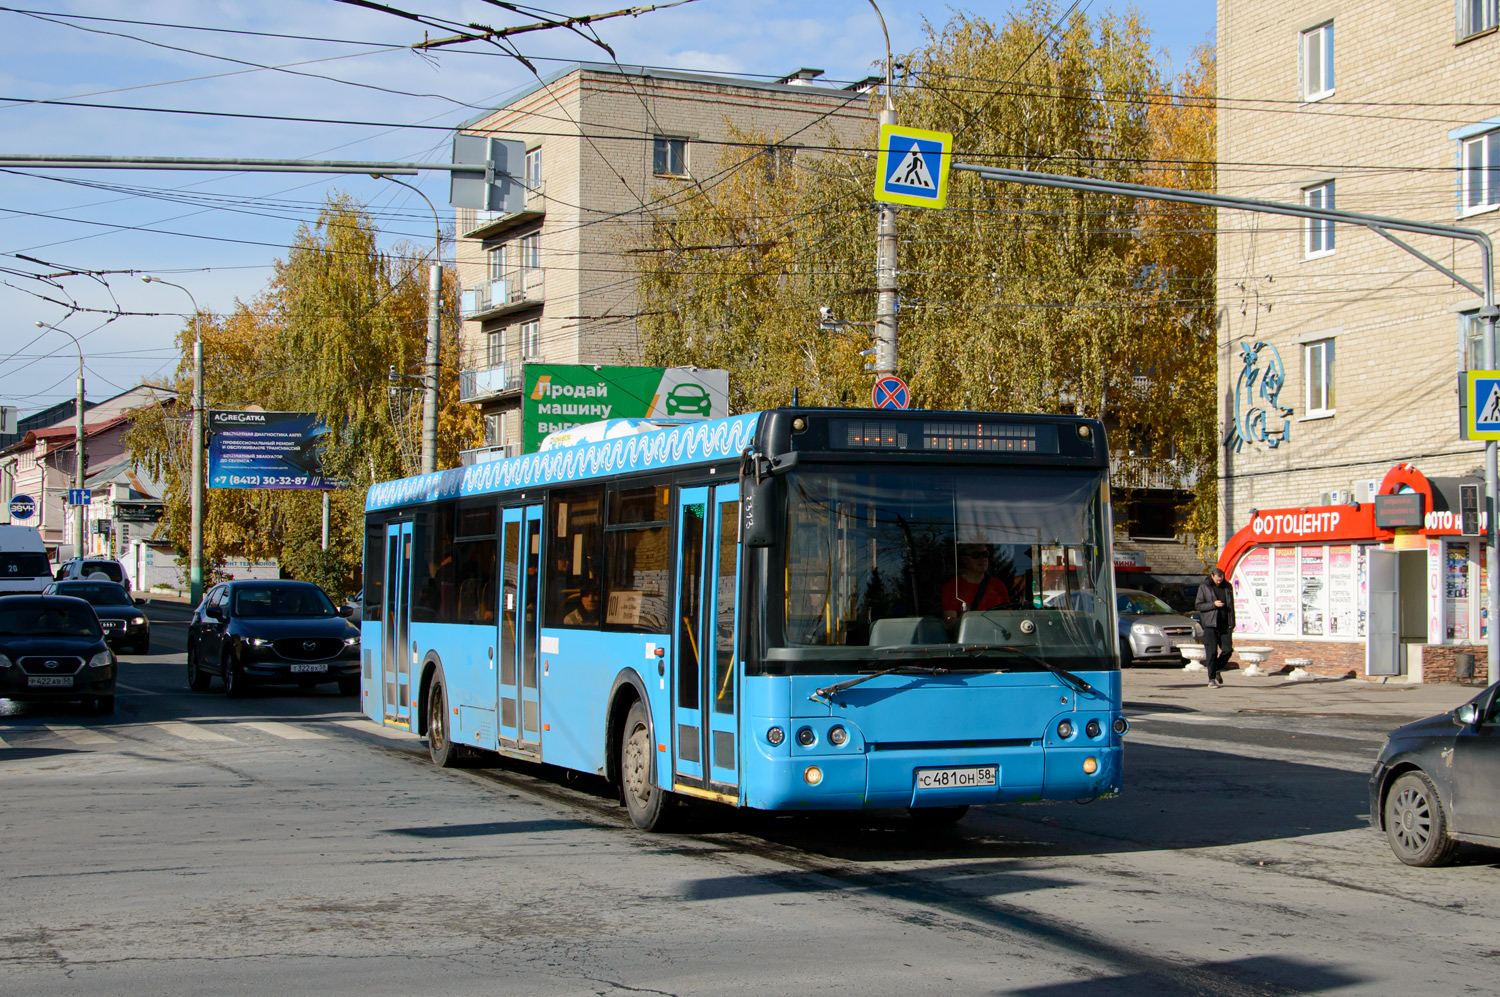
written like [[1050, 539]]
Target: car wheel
[[936, 816], [198, 679], [649, 805], [1126, 658], [102, 705], [234, 678], [349, 687], [439, 746], [1415, 824]]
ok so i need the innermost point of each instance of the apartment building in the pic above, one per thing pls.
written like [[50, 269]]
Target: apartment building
[[552, 282], [1345, 478]]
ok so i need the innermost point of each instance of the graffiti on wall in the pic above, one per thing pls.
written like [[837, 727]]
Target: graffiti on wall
[[1259, 416]]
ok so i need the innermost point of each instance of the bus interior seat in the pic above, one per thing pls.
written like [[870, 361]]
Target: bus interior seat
[[898, 630]]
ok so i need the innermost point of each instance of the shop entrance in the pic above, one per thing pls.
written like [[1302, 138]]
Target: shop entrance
[[1398, 608]]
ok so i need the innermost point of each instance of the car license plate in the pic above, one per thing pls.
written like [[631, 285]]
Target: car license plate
[[49, 680], [309, 668], [960, 778]]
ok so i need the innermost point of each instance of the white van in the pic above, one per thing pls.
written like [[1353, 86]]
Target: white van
[[23, 560]]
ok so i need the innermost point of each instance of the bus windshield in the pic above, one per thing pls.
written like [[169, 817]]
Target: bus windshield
[[987, 568]]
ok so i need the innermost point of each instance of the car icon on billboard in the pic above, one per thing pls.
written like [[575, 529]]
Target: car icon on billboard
[[689, 399]]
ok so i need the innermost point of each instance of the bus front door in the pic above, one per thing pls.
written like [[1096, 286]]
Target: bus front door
[[520, 567], [705, 712], [395, 651]]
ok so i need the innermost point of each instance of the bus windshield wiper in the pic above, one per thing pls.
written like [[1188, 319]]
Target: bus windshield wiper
[[964, 650], [822, 695]]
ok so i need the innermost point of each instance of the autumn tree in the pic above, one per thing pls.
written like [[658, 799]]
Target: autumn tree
[[338, 316], [1014, 298]]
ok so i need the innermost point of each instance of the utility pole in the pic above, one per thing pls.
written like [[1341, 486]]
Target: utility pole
[[78, 533], [885, 242], [434, 312], [195, 524]]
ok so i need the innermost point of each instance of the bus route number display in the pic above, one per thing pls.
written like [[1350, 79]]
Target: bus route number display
[[944, 436]]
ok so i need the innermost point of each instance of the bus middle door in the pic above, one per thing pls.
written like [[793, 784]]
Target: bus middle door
[[705, 700], [520, 567], [396, 628]]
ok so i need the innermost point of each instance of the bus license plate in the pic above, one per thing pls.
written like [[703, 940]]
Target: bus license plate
[[978, 775], [309, 668], [49, 680]]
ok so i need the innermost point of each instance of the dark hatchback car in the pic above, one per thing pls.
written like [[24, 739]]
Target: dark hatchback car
[[256, 632], [1437, 783], [52, 649], [125, 626]]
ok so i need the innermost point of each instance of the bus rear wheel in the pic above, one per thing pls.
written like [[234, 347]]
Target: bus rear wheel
[[647, 802], [439, 744]]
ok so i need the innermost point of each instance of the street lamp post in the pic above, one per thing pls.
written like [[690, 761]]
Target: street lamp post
[[78, 534], [434, 303], [195, 527]]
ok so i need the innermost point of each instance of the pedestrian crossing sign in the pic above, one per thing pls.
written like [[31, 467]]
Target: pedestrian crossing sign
[[1484, 404], [912, 166]]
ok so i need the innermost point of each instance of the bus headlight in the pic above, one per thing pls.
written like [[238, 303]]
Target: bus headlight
[[1121, 725], [1092, 728], [812, 775], [1065, 729], [775, 736], [806, 737], [838, 736]]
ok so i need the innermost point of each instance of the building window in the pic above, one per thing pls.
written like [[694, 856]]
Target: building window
[[1317, 62], [531, 338], [496, 351], [779, 160], [494, 429], [669, 156], [1481, 172], [495, 260], [1319, 232], [1475, 16], [533, 168], [531, 251], [1317, 362]]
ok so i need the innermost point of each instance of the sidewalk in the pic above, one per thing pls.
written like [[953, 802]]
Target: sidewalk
[[1173, 688]]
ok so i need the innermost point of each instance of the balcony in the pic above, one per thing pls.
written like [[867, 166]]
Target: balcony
[[1131, 471], [474, 224], [515, 289], [482, 455], [479, 385]]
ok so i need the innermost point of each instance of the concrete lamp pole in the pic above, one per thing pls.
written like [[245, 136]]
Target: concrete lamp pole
[[434, 306], [885, 242], [78, 536], [195, 526]]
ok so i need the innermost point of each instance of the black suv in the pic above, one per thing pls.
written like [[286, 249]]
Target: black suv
[[52, 648], [271, 631], [121, 617]]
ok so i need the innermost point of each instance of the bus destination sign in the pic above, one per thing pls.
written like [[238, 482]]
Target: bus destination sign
[[942, 436]]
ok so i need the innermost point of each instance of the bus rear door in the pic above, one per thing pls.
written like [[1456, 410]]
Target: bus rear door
[[396, 649], [706, 700], [520, 567]]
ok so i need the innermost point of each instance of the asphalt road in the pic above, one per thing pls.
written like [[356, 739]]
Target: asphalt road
[[278, 843]]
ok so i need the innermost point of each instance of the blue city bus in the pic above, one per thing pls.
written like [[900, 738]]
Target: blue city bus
[[797, 609]]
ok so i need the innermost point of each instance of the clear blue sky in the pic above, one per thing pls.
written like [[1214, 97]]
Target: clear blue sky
[[218, 233]]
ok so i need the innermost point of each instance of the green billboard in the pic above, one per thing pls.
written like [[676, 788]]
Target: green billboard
[[560, 396]]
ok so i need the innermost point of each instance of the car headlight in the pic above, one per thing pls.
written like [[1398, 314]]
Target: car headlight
[[350, 641], [136, 621], [102, 660], [1143, 629], [4, 662], [260, 642]]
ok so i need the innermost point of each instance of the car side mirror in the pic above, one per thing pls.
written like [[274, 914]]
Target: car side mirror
[[346, 611], [217, 612], [1467, 715], [141, 600]]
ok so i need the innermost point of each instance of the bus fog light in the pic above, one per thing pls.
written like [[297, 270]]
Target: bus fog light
[[775, 736], [813, 775], [1065, 729], [1090, 765], [806, 737], [838, 736], [1121, 725], [1092, 728]]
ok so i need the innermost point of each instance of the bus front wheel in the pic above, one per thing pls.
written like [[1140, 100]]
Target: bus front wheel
[[647, 802]]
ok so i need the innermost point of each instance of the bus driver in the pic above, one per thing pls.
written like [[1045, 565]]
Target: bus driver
[[974, 587]]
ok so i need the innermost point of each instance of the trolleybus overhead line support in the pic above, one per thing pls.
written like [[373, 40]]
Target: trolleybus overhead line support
[[1381, 225]]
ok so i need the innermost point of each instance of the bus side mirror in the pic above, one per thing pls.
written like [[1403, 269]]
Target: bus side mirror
[[757, 511]]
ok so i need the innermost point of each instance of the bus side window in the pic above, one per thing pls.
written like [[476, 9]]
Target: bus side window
[[374, 573], [636, 559], [575, 542]]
